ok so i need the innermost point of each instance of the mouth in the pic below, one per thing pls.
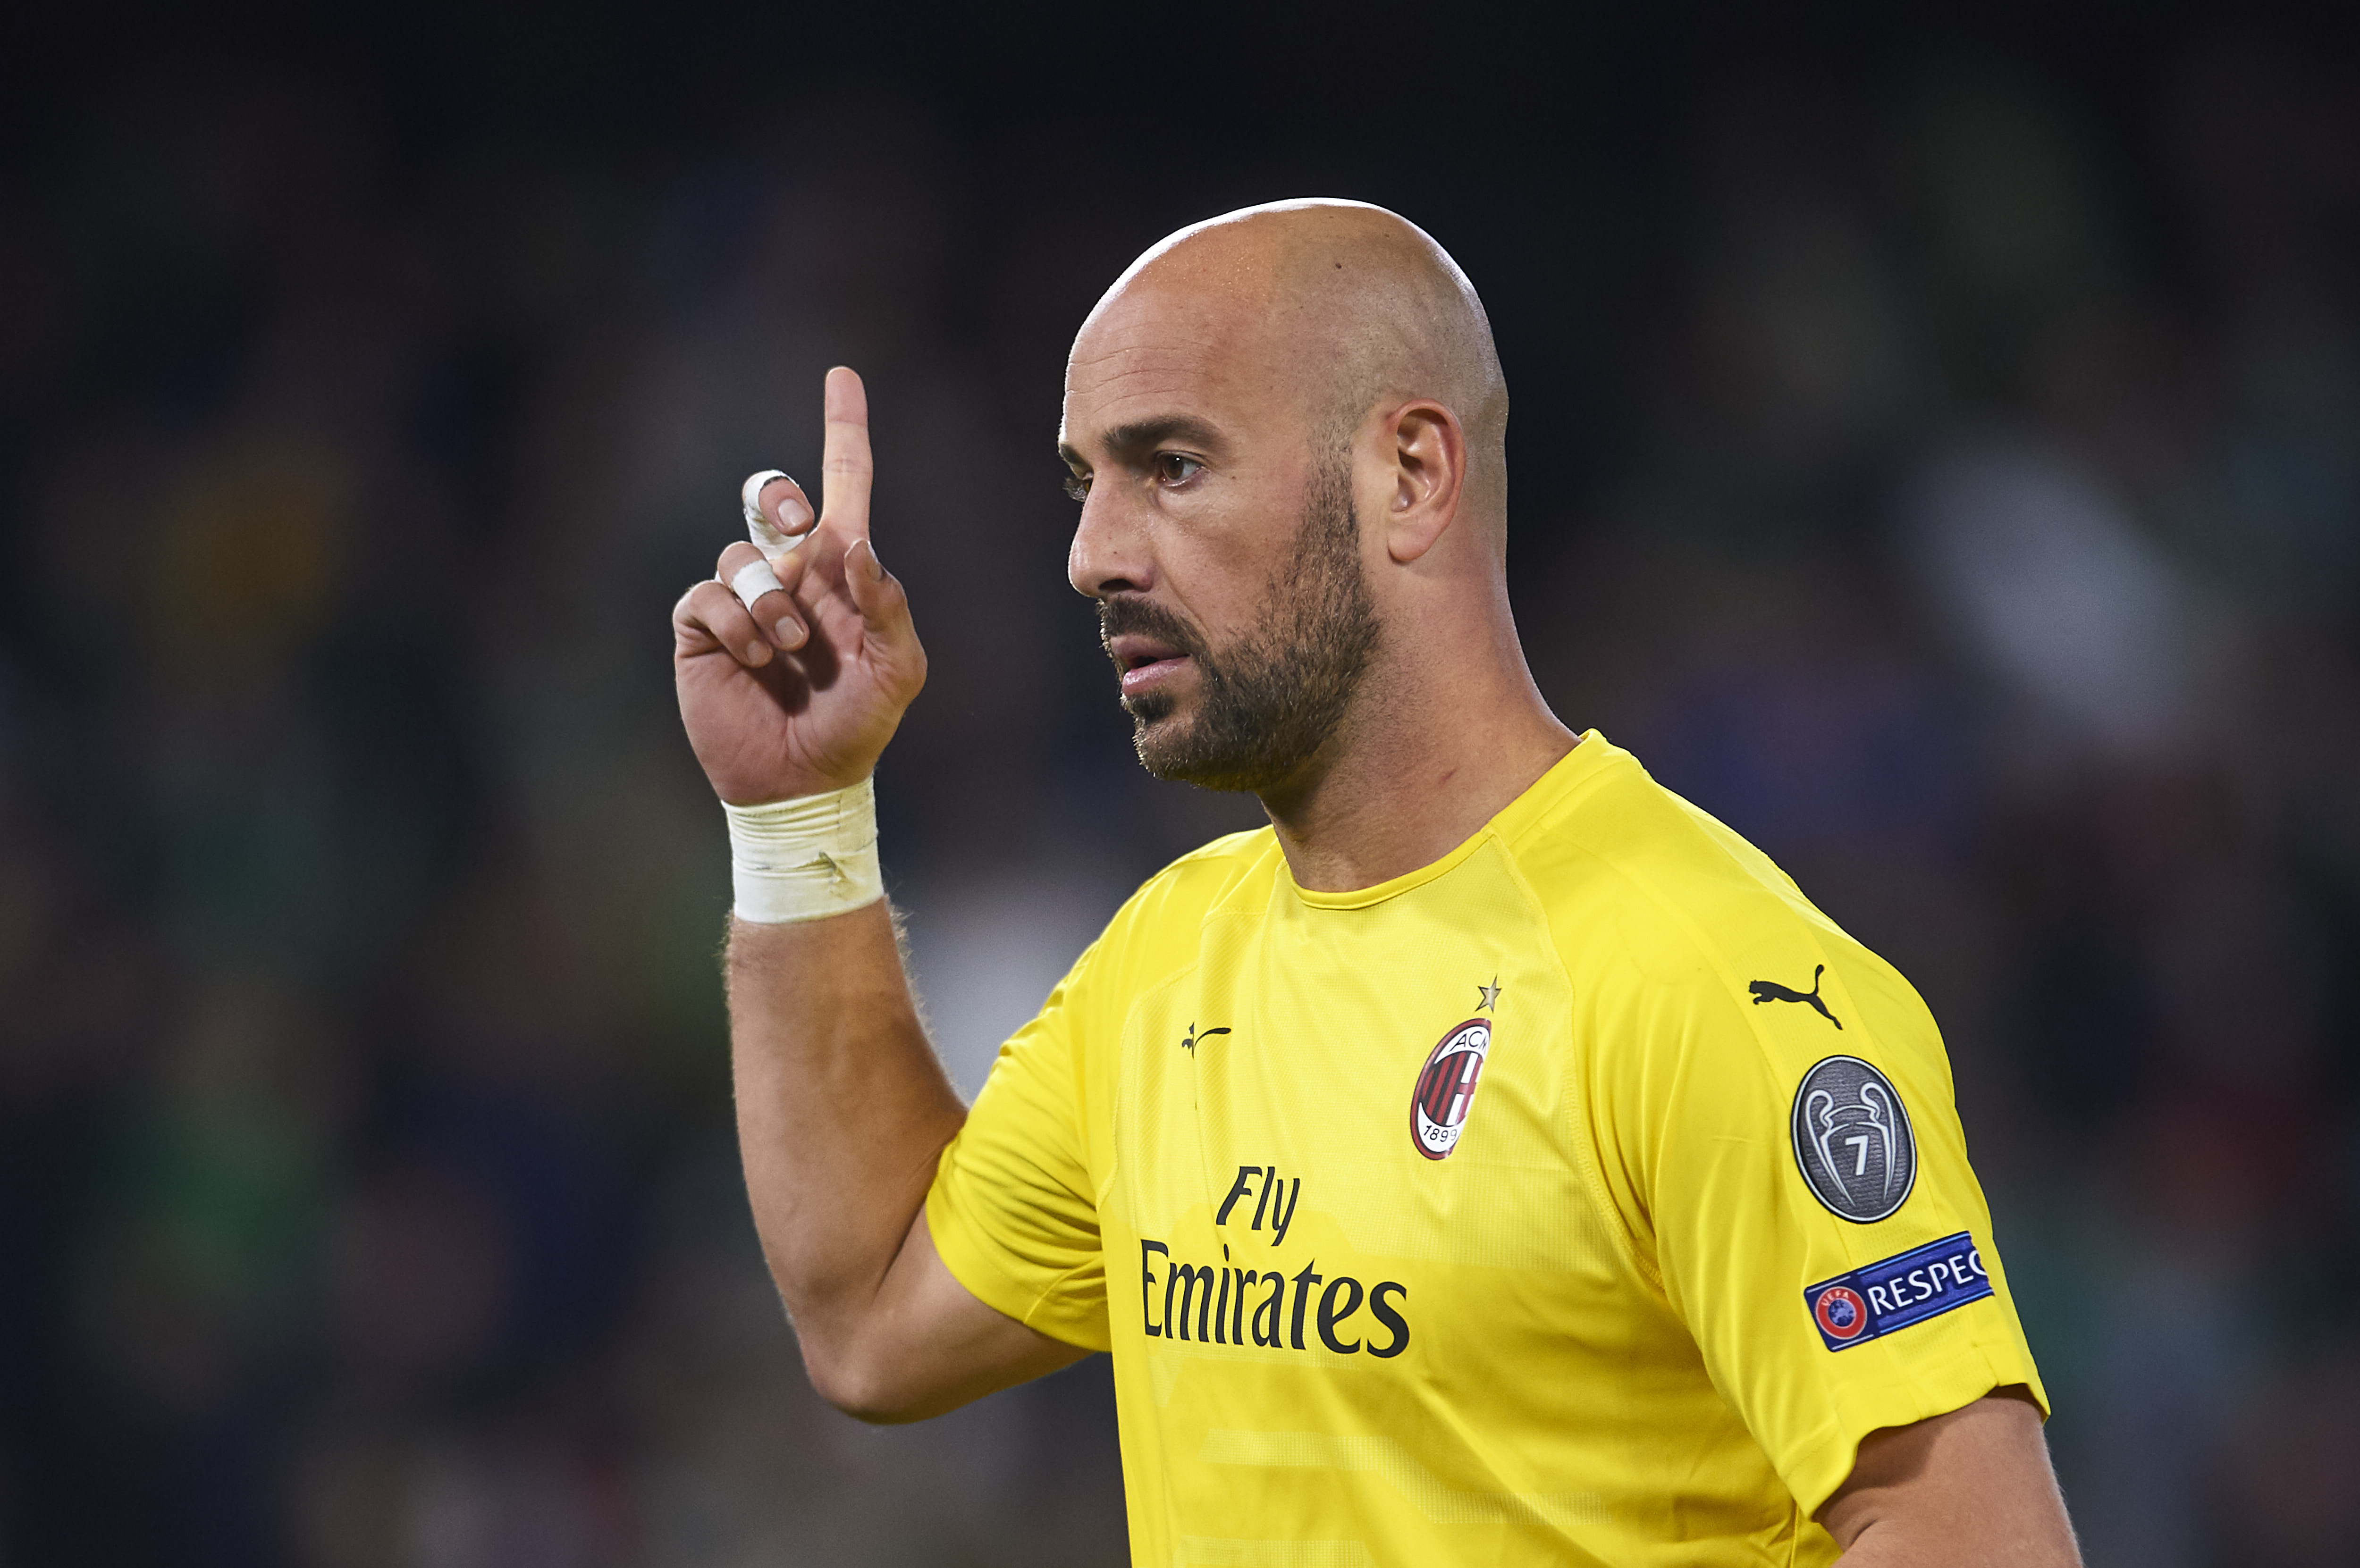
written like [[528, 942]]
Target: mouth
[[1143, 663]]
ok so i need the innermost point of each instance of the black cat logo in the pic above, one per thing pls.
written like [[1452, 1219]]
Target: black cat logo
[[1195, 1034], [1771, 991]]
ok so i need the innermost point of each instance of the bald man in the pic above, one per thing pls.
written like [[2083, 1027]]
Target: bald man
[[1495, 1159]]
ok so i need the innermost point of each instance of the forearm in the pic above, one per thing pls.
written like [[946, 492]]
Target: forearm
[[793, 664], [842, 1111]]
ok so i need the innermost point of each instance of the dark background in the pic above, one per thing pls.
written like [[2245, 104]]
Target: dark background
[[1937, 452]]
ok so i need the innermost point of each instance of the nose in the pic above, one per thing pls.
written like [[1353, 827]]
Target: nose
[[1109, 553]]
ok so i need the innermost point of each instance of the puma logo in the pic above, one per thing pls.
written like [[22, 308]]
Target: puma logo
[[1771, 991], [1195, 1034]]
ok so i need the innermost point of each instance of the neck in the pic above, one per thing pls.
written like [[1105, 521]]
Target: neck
[[1421, 762]]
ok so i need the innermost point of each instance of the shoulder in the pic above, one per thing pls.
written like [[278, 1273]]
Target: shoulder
[[1628, 852], [1664, 916], [1689, 945], [1203, 876], [1157, 928], [1153, 939]]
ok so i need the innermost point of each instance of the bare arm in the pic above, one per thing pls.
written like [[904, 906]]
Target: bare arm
[[842, 1108], [1973, 1487]]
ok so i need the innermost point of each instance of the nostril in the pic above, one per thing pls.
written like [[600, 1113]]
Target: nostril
[[1094, 582]]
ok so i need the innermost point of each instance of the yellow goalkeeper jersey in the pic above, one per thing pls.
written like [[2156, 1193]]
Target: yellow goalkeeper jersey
[[1583, 1197]]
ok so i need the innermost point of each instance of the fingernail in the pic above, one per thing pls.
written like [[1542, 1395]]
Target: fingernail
[[876, 566], [794, 516], [756, 653], [790, 632]]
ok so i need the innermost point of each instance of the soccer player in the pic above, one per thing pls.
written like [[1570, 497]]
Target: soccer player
[[1495, 1159]]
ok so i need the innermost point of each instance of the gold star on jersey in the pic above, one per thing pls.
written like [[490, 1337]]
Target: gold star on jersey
[[1595, 1303]]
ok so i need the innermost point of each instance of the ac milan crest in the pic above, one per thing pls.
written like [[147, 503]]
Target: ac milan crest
[[1446, 1088]]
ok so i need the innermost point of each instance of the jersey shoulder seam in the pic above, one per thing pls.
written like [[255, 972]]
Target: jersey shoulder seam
[[1146, 994], [1228, 858], [1225, 861], [1707, 947], [1715, 959], [1715, 955], [1709, 950], [1587, 1154], [1242, 846]]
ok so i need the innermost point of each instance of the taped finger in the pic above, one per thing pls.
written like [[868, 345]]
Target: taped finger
[[753, 579], [770, 536]]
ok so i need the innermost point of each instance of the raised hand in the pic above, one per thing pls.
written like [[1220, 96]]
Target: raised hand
[[799, 692]]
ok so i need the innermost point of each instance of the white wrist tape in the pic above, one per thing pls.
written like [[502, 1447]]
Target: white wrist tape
[[805, 859]]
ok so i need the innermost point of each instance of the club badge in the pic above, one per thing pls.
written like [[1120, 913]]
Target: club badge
[[1853, 1140], [1446, 1088]]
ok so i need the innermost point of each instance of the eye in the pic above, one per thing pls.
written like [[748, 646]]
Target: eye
[[1077, 485], [1174, 468]]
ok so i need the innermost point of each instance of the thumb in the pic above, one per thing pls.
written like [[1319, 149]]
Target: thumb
[[875, 594], [884, 606]]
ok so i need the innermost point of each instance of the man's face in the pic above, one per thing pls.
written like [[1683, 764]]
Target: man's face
[[1218, 535]]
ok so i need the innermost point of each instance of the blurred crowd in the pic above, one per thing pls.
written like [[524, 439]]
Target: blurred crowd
[[1946, 478]]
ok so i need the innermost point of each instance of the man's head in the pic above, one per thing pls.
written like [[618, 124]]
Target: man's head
[[1288, 428]]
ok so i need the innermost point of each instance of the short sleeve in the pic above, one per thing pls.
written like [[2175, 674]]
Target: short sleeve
[[1013, 1210], [1814, 1217]]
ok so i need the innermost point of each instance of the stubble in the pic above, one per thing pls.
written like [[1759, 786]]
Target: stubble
[[1270, 699]]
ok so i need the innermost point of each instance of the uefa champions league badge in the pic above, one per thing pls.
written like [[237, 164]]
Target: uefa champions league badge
[[1853, 1140], [1905, 1289]]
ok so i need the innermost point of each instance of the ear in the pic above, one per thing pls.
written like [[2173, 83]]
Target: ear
[[1428, 456]]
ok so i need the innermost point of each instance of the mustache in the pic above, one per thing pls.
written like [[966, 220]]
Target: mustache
[[1127, 616]]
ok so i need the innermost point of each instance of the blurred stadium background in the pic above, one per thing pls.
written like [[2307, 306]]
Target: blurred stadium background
[[1936, 454]]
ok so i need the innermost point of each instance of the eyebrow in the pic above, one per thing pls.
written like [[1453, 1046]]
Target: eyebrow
[[1142, 436]]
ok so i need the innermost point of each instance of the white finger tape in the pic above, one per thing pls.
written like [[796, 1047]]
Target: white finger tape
[[753, 579], [750, 495], [758, 527], [805, 859]]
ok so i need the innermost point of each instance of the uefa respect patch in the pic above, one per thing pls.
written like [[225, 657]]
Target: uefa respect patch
[[1907, 1288]]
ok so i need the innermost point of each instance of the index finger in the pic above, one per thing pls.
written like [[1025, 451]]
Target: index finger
[[844, 464]]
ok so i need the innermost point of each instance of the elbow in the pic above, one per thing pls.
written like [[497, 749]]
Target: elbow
[[862, 1388]]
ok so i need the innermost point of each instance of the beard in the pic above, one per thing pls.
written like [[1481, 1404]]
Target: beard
[[1271, 698]]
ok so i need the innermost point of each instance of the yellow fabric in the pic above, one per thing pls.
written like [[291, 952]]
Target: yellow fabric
[[1579, 1337]]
